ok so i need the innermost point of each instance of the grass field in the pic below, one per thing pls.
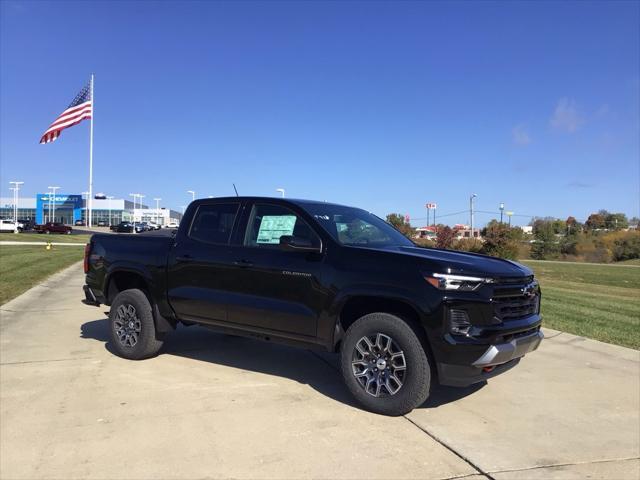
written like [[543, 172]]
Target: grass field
[[41, 237], [595, 301], [22, 267]]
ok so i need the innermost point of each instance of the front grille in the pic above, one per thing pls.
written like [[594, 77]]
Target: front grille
[[513, 307]]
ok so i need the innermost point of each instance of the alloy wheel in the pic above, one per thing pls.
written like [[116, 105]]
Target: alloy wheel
[[379, 365], [127, 325]]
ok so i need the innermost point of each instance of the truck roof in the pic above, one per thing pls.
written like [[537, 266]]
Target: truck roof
[[296, 201]]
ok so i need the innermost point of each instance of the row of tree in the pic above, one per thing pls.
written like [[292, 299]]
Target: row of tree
[[604, 237], [603, 220]]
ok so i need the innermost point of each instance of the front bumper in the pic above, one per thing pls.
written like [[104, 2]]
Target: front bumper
[[495, 359]]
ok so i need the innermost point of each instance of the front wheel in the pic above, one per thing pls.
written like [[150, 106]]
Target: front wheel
[[131, 326], [384, 365]]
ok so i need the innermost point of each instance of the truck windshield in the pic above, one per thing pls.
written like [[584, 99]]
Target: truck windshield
[[356, 227]]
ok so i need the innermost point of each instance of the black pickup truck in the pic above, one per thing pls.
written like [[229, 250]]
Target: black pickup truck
[[320, 275]]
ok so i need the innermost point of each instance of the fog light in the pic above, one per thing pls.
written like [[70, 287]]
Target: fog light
[[459, 323]]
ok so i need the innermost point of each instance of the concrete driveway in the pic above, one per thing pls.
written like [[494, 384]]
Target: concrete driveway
[[219, 406]]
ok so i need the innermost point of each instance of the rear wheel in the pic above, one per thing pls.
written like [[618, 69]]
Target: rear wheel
[[131, 326], [384, 364]]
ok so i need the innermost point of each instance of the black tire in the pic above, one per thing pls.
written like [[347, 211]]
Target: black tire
[[416, 377], [133, 332]]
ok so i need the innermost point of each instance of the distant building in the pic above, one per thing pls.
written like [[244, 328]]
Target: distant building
[[429, 232], [464, 231], [70, 208]]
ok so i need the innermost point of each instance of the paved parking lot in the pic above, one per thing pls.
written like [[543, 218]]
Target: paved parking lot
[[219, 406]]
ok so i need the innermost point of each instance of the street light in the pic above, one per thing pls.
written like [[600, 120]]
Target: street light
[[16, 195], [52, 199], [157, 210], [110, 197], [86, 208], [281, 190], [140, 196], [473, 195], [133, 226], [193, 194], [501, 210]]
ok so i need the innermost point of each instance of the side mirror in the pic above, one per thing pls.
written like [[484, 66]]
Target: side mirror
[[298, 244]]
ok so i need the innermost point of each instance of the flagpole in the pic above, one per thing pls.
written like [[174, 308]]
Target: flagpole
[[89, 223]]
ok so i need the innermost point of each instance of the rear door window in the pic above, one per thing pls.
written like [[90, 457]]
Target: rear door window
[[214, 223]]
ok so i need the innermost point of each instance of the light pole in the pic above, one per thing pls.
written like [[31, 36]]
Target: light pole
[[157, 210], [183, 208], [133, 223], [110, 197], [141, 197], [86, 207], [281, 190], [473, 195], [52, 199], [501, 210], [16, 197], [13, 189], [193, 194], [509, 214]]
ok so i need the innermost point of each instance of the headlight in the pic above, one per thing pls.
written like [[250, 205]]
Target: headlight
[[461, 283]]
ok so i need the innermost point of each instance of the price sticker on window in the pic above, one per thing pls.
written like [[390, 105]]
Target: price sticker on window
[[272, 227]]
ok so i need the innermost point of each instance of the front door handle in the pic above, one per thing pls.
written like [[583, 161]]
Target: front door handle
[[243, 263]]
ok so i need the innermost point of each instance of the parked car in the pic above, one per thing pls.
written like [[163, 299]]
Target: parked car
[[172, 225], [79, 223], [320, 275], [123, 227], [127, 227], [53, 227], [10, 226], [153, 226], [27, 223], [102, 223]]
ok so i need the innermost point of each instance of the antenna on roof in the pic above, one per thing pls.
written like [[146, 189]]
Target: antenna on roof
[[234, 187]]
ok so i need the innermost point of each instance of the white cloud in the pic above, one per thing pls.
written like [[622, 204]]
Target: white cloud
[[566, 117], [520, 135]]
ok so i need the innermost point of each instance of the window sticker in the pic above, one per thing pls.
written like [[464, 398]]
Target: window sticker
[[272, 227]]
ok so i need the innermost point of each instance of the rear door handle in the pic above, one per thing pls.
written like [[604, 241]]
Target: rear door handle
[[243, 263]]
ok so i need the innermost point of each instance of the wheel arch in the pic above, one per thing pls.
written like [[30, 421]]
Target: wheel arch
[[356, 306], [125, 278]]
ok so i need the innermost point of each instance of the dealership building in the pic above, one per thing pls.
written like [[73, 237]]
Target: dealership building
[[69, 208]]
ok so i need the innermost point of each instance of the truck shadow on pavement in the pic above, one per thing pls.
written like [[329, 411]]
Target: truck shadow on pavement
[[319, 370]]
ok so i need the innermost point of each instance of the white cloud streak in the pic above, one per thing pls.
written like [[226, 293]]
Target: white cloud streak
[[520, 135], [566, 117]]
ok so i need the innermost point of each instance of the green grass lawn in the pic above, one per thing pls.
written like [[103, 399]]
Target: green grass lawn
[[43, 237], [22, 267], [595, 301]]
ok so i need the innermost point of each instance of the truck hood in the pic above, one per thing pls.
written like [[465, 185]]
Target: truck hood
[[464, 263]]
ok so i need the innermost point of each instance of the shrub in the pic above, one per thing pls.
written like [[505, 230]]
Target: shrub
[[468, 245], [546, 245], [445, 237], [498, 242], [622, 245]]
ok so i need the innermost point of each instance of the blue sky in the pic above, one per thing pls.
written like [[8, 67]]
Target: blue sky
[[380, 105]]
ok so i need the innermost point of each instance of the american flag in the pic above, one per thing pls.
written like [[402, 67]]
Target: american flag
[[78, 110]]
